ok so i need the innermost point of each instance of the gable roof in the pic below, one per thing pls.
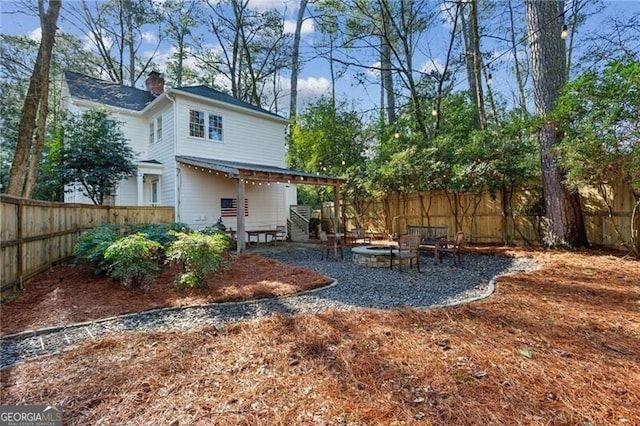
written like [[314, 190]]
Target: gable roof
[[105, 92], [108, 93]]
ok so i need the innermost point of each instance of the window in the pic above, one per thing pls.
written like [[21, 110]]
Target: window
[[215, 127], [197, 125], [159, 128], [154, 193], [151, 132]]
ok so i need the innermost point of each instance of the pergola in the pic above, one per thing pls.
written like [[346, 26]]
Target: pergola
[[244, 172]]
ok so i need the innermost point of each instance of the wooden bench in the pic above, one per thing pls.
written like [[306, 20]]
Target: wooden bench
[[429, 235]]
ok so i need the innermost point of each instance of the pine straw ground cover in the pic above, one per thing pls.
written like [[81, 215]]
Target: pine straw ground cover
[[560, 345]]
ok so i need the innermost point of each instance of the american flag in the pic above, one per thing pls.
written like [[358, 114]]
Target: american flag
[[229, 207]]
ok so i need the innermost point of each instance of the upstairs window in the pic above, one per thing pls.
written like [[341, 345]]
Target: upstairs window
[[205, 125], [159, 128], [215, 127], [151, 133], [196, 124]]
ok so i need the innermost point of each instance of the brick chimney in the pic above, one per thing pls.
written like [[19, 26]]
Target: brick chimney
[[155, 83]]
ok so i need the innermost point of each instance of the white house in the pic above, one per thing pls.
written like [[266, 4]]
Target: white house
[[200, 151]]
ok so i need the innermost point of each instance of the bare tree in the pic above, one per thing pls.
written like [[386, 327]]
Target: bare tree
[[547, 51], [253, 48], [115, 29], [295, 60], [34, 111]]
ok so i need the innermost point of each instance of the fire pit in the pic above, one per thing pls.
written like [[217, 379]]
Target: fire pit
[[373, 256]]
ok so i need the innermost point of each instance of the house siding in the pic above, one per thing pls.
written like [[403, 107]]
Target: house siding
[[199, 201], [163, 152], [246, 138]]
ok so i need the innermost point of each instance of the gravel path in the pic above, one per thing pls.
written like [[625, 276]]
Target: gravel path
[[356, 287]]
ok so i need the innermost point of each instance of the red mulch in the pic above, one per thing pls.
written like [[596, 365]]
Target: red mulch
[[70, 294]]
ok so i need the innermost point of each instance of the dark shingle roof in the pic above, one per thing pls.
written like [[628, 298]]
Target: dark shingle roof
[[216, 95], [106, 92], [109, 93]]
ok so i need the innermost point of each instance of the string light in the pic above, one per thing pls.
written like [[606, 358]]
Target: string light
[[434, 111], [565, 32], [489, 79]]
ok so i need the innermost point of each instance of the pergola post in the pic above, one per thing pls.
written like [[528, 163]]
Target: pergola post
[[240, 216]]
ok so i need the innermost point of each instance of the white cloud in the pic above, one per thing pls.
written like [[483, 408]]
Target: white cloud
[[89, 42], [149, 37], [36, 34], [290, 26], [270, 4], [432, 65], [374, 70]]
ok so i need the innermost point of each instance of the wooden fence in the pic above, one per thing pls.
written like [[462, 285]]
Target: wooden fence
[[34, 235], [492, 218]]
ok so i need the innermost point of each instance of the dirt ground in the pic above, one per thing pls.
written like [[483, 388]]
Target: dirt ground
[[556, 346]]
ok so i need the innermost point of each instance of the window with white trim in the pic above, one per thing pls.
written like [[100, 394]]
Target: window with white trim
[[159, 128], [205, 125], [151, 133]]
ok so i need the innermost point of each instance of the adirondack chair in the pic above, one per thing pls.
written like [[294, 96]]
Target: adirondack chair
[[408, 249], [450, 247], [333, 243]]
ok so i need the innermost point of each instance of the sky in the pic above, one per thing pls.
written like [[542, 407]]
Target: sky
[[314, 79]]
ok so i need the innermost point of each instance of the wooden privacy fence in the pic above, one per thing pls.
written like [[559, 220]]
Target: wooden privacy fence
[[492, 218], [34, 235]]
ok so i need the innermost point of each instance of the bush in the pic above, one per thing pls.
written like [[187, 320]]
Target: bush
[[199, 254], [314, 223], [158, 232], [132, 259], [92, 244]]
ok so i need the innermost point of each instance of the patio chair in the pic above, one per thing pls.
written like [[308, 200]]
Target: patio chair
[[408, 249], [333, 243], [359, 234], [281, 233], [450, 247]]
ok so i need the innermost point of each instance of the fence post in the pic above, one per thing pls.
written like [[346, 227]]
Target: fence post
[[20, 243]]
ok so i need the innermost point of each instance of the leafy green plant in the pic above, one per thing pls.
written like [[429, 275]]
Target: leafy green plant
[[314, 222], [199, 254], [158, 232], [132, 259], [92, 244]]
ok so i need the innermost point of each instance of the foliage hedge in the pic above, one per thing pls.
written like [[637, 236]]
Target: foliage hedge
[[133, 255]]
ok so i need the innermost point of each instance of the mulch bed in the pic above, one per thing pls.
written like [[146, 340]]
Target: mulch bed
[[556, 346]]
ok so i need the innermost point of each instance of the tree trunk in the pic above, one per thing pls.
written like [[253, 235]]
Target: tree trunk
[[35, 101], [295, 61], [565, 225], [385, 66], [473, 62], [522, 97]]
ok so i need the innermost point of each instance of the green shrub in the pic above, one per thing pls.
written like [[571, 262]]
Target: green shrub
[[314, 223], [199, 254], [219, 228], [158, 232], [92, 244], [132, 259]]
